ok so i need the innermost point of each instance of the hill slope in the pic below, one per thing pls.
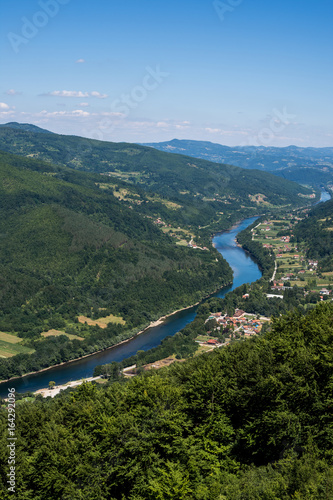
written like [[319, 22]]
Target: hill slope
[[312, 166], [175, 176], [28, 127], [70, 248], [316, 234]]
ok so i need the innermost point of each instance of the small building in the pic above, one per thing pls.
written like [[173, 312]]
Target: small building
[[239, 313]]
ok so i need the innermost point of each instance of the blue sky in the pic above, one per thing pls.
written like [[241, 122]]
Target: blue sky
[[235, 72]]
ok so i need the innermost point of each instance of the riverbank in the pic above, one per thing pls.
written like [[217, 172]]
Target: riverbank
[[149, 337], [153, 324], [58, 388]]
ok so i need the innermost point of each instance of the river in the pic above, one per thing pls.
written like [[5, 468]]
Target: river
[[325, 196], [245, 271]]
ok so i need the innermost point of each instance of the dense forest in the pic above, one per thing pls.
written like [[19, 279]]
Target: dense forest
[[249, 421]]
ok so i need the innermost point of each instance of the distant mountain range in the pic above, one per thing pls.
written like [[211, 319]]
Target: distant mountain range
[[312, 166]]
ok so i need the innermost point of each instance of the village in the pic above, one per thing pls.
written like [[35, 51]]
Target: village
[[291, 265], [223, 330], [240, 325]]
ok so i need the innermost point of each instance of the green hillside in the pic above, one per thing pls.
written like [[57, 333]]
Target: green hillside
[[315, 233], [175, 176], [249, 421], [28, 127], [95, 229], [307, 166], [70, 248]]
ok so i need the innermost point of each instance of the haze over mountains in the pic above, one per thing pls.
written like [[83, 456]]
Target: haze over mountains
[[312, 166]]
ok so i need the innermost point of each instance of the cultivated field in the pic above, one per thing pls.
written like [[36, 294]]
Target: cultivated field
[[12, 339], [10, 346], [57, 333], [102, 322]]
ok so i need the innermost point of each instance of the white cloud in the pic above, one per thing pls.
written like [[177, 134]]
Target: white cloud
[[3, 105], [80, 112], [75, 93], [181, 126], [67, 93], [162, 125], [12, 92], [97, 94], [110, 113], [213, 130], [80, 61], [84, 104], [220, 131], [64, 114]]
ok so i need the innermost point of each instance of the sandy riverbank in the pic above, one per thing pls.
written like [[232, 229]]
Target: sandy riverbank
[[58, 388], [151, 325]]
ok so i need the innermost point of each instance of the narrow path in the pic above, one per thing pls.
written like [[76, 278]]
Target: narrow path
[[275, 269], [252, 230]]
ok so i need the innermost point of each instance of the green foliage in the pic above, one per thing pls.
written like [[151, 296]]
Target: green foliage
[[249, 421], [263, 256], [69, 248], [315, 232], [157, 171]]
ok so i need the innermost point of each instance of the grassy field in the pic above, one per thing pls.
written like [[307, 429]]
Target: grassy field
[[203, 348], [10, 346], [57, 333], [182, 243], [9, 349], [102, 322], [167, 203], [12, 339], [204, 338]]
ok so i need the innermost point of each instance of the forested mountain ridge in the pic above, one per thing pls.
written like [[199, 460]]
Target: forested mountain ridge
[[249, 421], [311, 166], [28, 127], [69, 247], [174, 176]]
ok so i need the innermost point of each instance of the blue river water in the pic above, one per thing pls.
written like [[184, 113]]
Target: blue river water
[[245, 271], [325, 196]]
